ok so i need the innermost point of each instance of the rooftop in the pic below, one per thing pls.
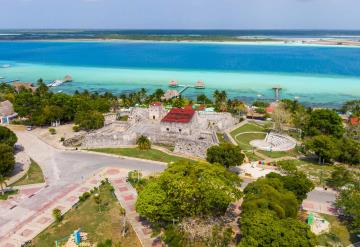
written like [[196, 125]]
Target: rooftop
[[6, 108], [155, 104], [179, 115]]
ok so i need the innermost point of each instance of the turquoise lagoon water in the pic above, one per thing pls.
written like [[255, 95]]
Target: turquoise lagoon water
[[318, 75]]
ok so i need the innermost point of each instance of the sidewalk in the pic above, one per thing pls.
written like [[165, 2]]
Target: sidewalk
[[13, 234]]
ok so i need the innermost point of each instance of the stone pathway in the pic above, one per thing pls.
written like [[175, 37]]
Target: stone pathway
[[127, 197], [15, 233]]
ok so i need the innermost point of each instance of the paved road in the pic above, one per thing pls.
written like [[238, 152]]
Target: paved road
[[63, 170]]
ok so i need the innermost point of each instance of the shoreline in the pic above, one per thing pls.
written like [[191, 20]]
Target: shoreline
[[286, 42]]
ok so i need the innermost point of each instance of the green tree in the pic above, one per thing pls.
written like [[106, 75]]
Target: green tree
[[7, 159], [225, 154], [340, 177], [89, 120], [326, 122], [56, 213], [262, 227], [2, 184], [187, 189], [203, 99], [143, 143], [349, 203], [352, 106], [269, 193], [349, 151], [325, 147], [178, 102], [7, 136], [296, 182]]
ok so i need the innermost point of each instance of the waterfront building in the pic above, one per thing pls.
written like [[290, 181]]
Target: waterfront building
[[26, 85], [6, 112]]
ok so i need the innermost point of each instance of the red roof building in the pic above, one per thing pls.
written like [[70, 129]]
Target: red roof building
[[179, 115], [155, 104], [354, 120]]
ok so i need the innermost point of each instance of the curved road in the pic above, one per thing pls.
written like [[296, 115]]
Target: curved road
[[63, 169]]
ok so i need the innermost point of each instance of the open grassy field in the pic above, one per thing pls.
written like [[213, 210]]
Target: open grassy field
[[99, 225], [249, 127], [252, 156], [242, 138], [273, 154], [33, 176], [151, 154], [338, 233]]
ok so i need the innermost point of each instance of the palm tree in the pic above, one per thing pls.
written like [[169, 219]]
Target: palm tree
[[143, 143], [2, 182]]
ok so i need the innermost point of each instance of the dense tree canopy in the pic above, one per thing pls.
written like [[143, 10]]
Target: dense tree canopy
[[269, 211], [324, 146], [225, 154], [187, 189], [269, 193], [44, 107], [296, 182], [89, 120], [340, 177], [352, 106], [262, 228], [7, 160], [7, 136], [326, 122], [349, 202]]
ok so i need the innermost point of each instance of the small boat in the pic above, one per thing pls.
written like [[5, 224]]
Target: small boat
[[55, 83], [2, 78], [199, 85], [4, 66], [60, 91], [173, 83]]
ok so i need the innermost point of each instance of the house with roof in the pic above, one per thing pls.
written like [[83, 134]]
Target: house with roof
[[26, 85], [6, 112], [179, 121], [156, 111]]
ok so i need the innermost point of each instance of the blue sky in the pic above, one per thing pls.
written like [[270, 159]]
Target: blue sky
[[181, 14]]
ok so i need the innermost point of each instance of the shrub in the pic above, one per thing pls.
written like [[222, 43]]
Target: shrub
[[52, 131], [7, 159], [62, 139], [76, 128], [57, 215], [7, 136]]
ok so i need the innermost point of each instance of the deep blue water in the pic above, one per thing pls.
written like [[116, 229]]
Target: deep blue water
[[311, 60]]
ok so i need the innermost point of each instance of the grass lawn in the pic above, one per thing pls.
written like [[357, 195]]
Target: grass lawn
[[251, 156], [249, 127], [7, 194], [221, 137], [243, 140], [100, 226], [317, 173], [151, 154], [338, 233], [274, 154], [33, 176]]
